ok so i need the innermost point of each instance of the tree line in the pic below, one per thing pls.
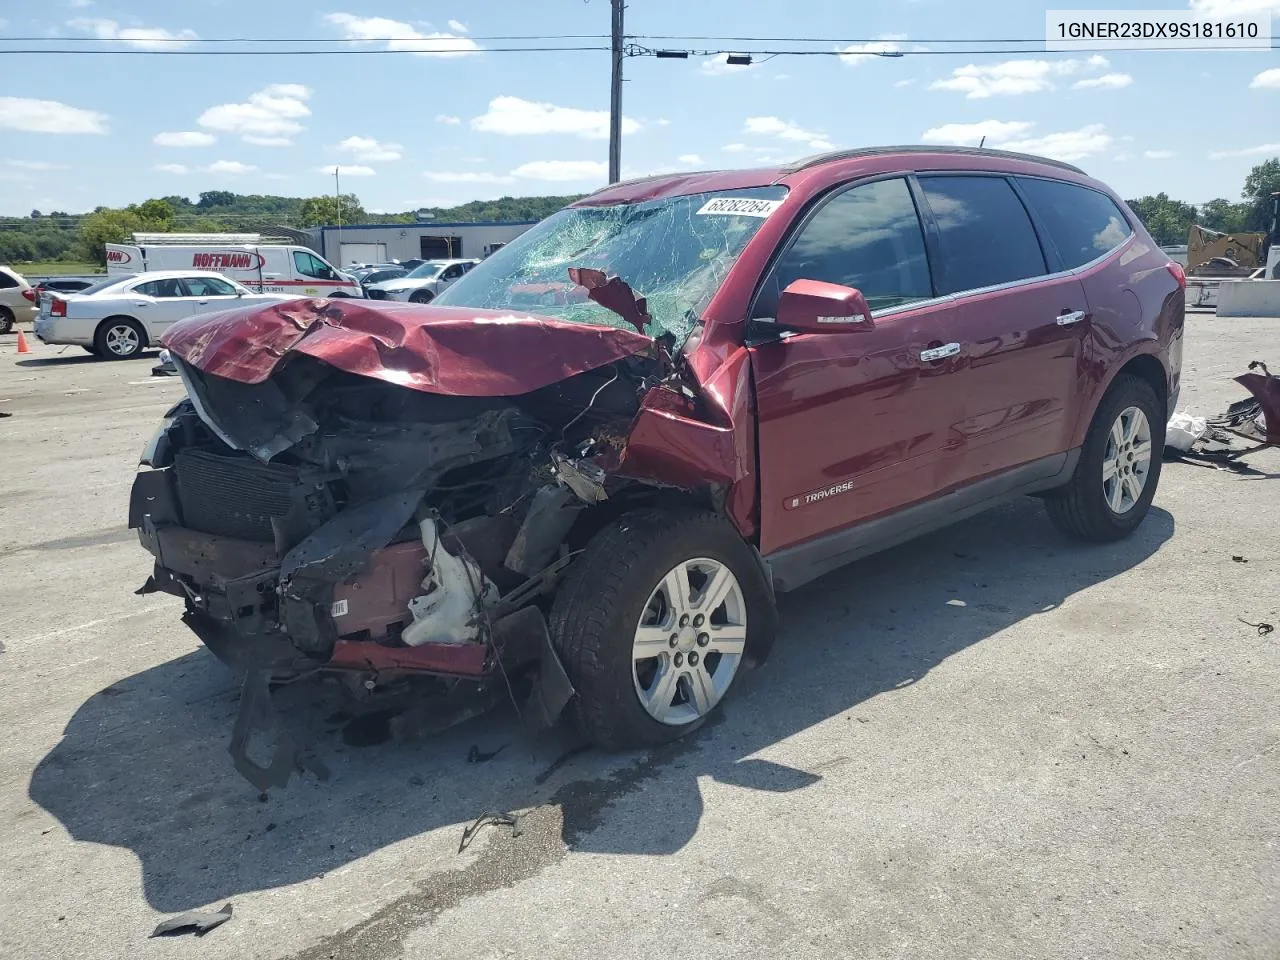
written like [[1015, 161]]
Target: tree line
[[63, 236]]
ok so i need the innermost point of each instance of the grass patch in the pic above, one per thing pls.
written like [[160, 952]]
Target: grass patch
[[57, 268]]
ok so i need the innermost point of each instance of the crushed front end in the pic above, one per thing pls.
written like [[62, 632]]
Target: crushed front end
[[324, 521]]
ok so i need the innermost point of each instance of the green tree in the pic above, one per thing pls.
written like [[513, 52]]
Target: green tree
[[105, 226], [327, 211], [1224, 215], [1262, 181], [1168, 221], [216, 198], [155, 213]]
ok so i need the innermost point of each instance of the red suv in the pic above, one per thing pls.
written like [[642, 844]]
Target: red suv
[[583, 472]]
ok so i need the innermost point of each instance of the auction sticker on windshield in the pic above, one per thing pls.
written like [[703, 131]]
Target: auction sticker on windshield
[[741, 207]]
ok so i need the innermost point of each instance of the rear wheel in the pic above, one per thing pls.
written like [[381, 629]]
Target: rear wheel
[[421, 296], [655, 622], [1115, 480], [6, 319], [119, 338]]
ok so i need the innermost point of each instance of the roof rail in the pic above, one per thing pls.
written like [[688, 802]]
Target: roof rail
[[816, 159], [205, 239]]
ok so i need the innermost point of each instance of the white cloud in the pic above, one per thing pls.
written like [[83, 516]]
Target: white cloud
[[1226, 9], [782, 76], [79, 4], [48, 116], [734, 148], [234, 167], [1013, 77], [466, 176], [184, 138], [1266, 148], [859, 53], [344, 170], [457, 26], [774, 127], [909, 82], [272, 113], [402, 36], [512, 116], [1108, 81], [446, 119], [719, 65], [1068, 145], [662, 122], [1158, 154], [1013, 135], [1267, 79], [971, 134], [267, 141], [690, 159], [562, 170], [143, 38], [170, 168], [35, 165], [374, 151]]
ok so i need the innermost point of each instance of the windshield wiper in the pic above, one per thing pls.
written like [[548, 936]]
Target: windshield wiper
[[613, 293]]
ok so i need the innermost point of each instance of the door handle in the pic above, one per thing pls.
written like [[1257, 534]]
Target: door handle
[[142, 303], [1067, 319], [940, 353]]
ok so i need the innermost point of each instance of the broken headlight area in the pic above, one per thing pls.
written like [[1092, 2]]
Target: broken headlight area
[[321, 521]]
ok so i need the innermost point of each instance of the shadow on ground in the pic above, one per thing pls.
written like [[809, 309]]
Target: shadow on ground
[[142, 764], [80, 357]]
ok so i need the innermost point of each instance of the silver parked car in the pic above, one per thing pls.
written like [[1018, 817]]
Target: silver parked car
[[422, 283], [119, 318]]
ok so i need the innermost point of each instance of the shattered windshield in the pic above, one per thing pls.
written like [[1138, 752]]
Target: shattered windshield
[[674, 252]]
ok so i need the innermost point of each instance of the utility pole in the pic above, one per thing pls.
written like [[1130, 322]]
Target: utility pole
[[615, 97], [337, 201]]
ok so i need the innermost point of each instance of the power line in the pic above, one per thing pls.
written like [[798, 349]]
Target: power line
[[513, 36], [300, 53]]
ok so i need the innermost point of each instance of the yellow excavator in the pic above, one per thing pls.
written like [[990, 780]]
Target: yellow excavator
[[1213, 256]]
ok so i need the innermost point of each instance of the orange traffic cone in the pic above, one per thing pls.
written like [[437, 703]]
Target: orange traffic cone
[[22, 342]]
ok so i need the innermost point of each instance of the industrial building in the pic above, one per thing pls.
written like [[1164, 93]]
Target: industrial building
[[383, 242]]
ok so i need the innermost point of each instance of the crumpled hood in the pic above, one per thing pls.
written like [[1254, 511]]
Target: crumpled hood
[[447, 350]]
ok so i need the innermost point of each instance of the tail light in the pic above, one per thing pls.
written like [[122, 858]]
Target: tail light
[[1178, 273], [29, 294], [58, 308]]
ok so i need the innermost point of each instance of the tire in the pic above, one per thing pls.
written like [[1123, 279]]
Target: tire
[[6, 320], [421, 296], [119, 338], [92, 349], [621, 579], [1086, 507]]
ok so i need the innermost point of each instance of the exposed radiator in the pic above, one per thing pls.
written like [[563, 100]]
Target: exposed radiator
[[233, 496]]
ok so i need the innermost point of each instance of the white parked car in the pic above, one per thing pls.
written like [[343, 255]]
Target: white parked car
[[118, 318], [423, 282], [17, 300]]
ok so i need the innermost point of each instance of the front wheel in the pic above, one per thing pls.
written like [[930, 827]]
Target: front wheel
[[655, 622], [6, 320], [119, 338], [421, 296], [1119, 468]]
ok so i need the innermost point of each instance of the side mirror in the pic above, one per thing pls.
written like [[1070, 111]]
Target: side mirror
[[812, 306]]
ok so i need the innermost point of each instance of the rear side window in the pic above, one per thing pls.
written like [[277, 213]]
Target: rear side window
[[7, 280], [162, 289], [868, 237], [1082, 223], [209, 287], [985, 233]]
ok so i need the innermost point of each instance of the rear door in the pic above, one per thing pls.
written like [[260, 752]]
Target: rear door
[[207, 294], [449, 275], [856, 423], [160, 304], [1019, 327]]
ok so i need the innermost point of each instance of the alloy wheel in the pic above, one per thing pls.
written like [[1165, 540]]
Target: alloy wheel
[[122, 340], [1126, 464]]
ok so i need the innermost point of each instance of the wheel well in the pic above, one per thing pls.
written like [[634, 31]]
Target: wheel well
[[146, 340], [1148, 368]]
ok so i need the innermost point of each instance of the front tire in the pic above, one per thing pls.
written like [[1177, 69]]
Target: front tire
[[655, 623], [421, 296], [119, 338], [6, 320], [1115, 480]]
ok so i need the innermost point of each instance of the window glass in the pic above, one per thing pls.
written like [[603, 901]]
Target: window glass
[[986, 235], [309, 266], [209, 287], [453, 273], [868, 237], [7, 281], [164, 289], [1082, 223]]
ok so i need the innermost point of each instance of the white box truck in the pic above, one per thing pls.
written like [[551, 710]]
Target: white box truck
[[264, 267]]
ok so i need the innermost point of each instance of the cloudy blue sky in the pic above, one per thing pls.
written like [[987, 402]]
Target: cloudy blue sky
[[423, 127]]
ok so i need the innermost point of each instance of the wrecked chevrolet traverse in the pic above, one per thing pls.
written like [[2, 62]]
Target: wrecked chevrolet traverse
[[580, 474]]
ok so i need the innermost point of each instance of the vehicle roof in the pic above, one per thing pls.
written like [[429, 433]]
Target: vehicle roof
[[909, 157], [454, 260], [167, 274]]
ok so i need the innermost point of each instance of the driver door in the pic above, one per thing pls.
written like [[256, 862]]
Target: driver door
[[857, 423]]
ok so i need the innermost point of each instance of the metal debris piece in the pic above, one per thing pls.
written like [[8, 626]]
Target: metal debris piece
[[1263, 628], [486, 819], [1239, 559], [198, 922]]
